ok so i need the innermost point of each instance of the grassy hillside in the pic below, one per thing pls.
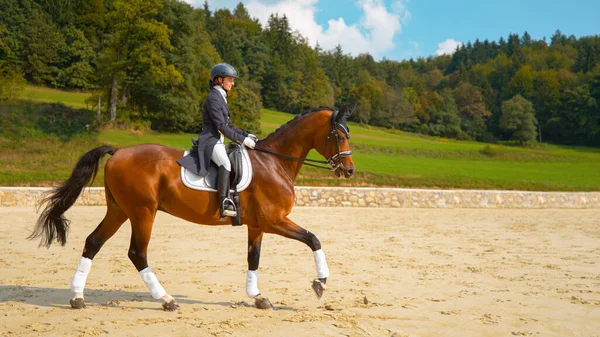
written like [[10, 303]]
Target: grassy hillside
[[404, 159], [382, 158], [41, 94]]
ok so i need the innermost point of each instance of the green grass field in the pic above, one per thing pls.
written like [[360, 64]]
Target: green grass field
[[41, 94], [382, 158]]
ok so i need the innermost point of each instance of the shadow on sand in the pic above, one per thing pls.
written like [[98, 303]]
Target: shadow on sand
[[59, 298]]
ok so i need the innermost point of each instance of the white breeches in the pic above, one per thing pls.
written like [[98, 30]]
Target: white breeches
[[219, 155]]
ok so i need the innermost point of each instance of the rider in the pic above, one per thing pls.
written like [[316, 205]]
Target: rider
[[215, 125]]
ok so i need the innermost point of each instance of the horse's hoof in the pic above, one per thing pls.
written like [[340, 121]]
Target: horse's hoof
[[262, 302], [77, 303], [319, 287], [170, 306]]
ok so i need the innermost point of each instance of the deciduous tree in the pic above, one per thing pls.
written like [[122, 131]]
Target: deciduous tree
[[518, 118]]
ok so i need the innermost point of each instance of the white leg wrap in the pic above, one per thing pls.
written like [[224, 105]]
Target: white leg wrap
[[322, 269], [252, 283], [80, 277], [156, 290]]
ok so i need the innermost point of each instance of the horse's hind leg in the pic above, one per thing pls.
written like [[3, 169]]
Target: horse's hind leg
[[112, 221], [255, 236], [141, 229]]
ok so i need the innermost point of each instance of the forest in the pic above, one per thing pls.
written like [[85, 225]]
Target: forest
[[149, 60]]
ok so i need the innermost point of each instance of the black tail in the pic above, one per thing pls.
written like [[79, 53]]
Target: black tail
[[52, 223]]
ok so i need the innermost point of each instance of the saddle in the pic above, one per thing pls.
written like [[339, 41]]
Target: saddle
[[240, 176]]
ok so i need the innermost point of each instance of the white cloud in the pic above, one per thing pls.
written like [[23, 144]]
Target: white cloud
[[399, 8], [448, 47], [374, 33]]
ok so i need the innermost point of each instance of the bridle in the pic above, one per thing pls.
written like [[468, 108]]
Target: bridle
[[333, 138]]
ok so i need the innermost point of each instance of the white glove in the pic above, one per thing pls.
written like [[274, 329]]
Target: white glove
[[249, 142], [253, 137]]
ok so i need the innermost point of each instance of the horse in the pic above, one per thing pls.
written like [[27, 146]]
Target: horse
[[142, 179]]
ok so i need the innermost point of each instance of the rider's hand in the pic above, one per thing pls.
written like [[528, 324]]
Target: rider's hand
[[253, 137], [249, 142]]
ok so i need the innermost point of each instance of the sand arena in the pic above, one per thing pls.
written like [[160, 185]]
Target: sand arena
[[394, 272]]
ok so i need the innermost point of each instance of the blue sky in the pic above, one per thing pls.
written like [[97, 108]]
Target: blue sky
[[401, 29]]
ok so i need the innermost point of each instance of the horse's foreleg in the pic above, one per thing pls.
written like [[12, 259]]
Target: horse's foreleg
[[254, 242], [287, 228], [141, 229], [112, 221]]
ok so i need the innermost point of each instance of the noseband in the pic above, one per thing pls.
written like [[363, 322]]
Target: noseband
[[335, 161]]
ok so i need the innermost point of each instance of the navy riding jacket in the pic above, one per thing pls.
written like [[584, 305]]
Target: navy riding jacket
[[215, 121]]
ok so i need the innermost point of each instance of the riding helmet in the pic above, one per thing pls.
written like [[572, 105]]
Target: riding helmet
[[222, 70]]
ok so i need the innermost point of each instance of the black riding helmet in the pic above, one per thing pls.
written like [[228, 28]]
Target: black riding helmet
[[222, 70]]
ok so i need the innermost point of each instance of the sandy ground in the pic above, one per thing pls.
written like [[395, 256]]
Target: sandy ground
[[394, 272]]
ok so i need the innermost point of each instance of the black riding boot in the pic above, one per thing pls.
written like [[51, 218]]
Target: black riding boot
[[227, 206]]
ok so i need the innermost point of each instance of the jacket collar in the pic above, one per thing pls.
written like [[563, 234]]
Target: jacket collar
[[221, 91]]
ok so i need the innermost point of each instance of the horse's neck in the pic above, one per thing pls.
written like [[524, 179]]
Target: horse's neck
[[291, 146], [296, 141]]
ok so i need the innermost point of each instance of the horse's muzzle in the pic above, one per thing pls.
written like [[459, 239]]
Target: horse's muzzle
[[346, 169]]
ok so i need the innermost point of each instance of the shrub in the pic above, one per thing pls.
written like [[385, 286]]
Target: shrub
[[63, 121]]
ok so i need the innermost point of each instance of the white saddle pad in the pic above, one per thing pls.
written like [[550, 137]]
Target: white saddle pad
[[201, 183]]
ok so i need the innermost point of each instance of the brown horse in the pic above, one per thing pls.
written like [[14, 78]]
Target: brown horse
[[143, 179]]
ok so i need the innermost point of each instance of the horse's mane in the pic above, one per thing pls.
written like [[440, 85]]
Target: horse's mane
[[298, 116]]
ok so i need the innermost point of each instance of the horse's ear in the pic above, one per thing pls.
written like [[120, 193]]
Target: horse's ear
[[340, 114]]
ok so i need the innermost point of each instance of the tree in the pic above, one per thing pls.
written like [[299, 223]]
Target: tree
[[314, 86], [5, 50], [43, 43], [470, 101], [433, 78], [61, 11], [522, 83], [518, 118], [12, 84], [245, 107], [558, 38], [341, 71], [135, 47], [76, 69], [281, 79], [396, 109], [176, 107], [444, 117], [588, 53], [578, 119], [546, 97], [473, 112], [413, 99], [91, 19]]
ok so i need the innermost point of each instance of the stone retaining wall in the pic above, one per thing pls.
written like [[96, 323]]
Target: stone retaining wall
[[369, 197]]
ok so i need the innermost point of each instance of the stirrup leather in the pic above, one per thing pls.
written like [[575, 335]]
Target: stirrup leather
[[228, 212]]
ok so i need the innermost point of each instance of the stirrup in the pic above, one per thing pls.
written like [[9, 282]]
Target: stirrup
[[228, 212]]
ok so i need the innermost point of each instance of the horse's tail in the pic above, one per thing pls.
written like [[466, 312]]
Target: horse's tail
[[52, 223]]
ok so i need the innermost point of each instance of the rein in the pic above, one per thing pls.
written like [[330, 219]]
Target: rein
[[306, 161]]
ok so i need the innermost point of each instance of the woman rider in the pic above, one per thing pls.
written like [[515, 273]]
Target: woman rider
[[216, 125]]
